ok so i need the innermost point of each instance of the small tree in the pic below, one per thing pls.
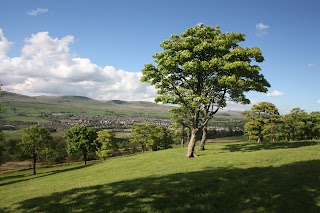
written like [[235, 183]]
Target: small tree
[[81, 138], [34, 140], [106, 142], [162, 138], [144, 134], [293, 123], [261, 116]]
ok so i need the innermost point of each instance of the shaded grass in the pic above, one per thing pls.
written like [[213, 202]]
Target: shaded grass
[[221, 179]]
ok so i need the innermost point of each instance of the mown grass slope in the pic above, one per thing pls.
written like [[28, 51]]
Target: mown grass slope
[[228, 177]]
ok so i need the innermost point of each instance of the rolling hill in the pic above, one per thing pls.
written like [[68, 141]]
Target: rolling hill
[[38, 109]]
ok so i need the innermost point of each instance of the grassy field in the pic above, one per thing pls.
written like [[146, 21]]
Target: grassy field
[[228, 177]]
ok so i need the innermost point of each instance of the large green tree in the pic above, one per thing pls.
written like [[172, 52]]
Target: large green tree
[[81, 138], [203, 68], [35, 139]]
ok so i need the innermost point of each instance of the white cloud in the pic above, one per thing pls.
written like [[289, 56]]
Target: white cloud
[[275, 93], [37, 11], [261, 29], [46, 67], [4, 46], [318, 101]]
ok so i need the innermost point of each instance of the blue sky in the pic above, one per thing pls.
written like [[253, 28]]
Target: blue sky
[[98, 48]]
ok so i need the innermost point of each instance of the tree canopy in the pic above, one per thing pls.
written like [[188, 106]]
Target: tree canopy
[[202, 69], [107, 145], [34, 140], [81, 138], [150, 135], [263, 117]]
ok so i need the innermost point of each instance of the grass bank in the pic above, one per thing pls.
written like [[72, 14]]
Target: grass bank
[[227, 177]]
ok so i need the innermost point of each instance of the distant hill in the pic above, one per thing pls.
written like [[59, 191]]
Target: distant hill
[[25, 108]]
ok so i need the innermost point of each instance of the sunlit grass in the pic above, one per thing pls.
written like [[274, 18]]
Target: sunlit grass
[[227, 177]]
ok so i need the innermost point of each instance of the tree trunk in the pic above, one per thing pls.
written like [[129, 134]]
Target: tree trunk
[[34, 163], [85, 158], [204, 138], [259, 134], [182, 137], [192, 144], [142, 148]]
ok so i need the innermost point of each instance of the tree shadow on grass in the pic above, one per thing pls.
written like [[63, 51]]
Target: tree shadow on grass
[[25, 177], [246, 147], [289, 188]]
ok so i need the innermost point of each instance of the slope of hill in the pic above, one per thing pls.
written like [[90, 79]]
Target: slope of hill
[[229, 177], [24, 108], [37, 109]]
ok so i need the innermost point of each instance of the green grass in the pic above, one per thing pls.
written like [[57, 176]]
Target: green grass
[[227, 177]]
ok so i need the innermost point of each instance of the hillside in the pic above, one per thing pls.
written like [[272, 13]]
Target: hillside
[[40, 108], [228, 177], [24, 108]]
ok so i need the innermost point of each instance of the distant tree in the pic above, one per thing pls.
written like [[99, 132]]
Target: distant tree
[[2, 148], [262, 119], [81, 138], [56, 152], [203, 68], [181, 119], [107, 144], [315, 125], [162, 138], [145, 134], [34, 140], [293, 124]]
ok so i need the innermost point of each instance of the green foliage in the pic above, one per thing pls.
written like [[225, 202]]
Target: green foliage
[[162, 138], [34, 141], [150, 135], [143, 134], [263, 121], [182, 123], [56, 152], [203, 68], [107, 144], [294, 124], [81, 138], [2, 149]]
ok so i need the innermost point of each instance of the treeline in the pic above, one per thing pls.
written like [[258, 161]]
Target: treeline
[[264, 123], [82, 142]]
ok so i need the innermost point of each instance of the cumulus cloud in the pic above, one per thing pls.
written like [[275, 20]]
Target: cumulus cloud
[[261, 29], [275, 93], [37, 11], [318, 101], [4, 46], [47, 67]]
